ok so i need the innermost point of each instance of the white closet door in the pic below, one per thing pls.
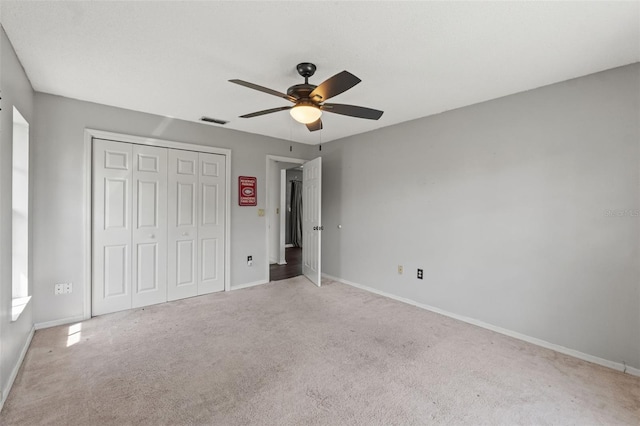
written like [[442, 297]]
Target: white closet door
[[183, 224], [149, 278], [211, 219], [112, 237]]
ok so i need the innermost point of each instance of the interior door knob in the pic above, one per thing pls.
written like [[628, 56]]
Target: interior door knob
[[152, 236], [184, 234]]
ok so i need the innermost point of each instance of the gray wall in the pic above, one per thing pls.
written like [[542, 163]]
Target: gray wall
[[504, 205], [59, 178], [16, 91]]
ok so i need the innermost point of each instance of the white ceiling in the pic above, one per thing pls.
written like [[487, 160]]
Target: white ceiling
[[414, 58]]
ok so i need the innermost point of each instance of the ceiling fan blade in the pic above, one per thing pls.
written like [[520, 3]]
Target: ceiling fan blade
[[334, 86], [316, 125], [353, 111], [263, 89], [266, 111]]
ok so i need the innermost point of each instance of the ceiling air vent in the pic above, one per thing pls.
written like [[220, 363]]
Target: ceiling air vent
[[213, 120]]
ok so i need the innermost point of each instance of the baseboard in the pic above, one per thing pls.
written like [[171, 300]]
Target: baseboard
[[246, 285], [63, 321], [567, 351], [16, 368], [288, 245], [631, 370]]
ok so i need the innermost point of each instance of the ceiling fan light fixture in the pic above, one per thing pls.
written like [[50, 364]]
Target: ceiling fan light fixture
[[305, 113]]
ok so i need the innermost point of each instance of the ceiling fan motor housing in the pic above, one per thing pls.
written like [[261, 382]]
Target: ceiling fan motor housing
[[300, 91]]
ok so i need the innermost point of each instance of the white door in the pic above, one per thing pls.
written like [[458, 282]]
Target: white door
[[311, 225], [158, 225], [211, 219], [183, 224], [149, 278], [112, 236]]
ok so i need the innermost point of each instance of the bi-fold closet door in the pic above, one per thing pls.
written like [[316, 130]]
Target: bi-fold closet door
[[196, 223], [158, 225]]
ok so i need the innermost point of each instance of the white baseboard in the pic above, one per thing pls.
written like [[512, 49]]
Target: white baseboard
[[246, 285], [63, 321], [16, 368], [567, 351], [288, 245], [631, 370]]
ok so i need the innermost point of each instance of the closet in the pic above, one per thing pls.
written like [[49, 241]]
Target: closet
[[158, 224]]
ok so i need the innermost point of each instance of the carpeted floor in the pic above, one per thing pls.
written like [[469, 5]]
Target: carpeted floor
[[289, 353]]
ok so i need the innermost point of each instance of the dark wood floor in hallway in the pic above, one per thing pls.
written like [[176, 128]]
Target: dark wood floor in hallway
[[293, 268]]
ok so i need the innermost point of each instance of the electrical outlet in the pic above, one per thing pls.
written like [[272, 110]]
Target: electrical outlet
[[419, 274], [400, 269], [62, 288], [249, 260]]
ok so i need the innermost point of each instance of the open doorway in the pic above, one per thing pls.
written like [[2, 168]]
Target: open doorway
[[276, 208], [290, 242], [284, 178]]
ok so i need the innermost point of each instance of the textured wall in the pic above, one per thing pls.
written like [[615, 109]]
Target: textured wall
[[522, 211]]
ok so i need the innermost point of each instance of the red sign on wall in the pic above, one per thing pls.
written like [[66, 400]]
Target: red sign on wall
[[247, 192]]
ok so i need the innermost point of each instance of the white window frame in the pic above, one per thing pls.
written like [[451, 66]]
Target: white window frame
[[20, 206]]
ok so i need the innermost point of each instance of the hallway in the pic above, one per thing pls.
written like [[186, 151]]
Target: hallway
[[293, 268]]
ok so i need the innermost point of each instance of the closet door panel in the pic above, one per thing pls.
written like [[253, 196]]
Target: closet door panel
[[211, 232], [182, 257], [112, 222], [149, 280]]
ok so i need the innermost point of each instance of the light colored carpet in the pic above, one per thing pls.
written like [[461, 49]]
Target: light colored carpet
[[288, 353]]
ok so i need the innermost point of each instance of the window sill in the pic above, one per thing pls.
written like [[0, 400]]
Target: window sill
[[17, 306]]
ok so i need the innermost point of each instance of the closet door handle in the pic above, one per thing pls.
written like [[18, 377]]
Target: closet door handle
[[185, 234]]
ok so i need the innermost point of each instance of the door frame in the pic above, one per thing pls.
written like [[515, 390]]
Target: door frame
[[87, 214], [271, 160], [283, 218]]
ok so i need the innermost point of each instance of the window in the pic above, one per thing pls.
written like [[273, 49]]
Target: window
[[20, 217]]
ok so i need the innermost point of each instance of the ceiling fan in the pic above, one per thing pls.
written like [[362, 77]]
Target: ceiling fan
[[309, 100]]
